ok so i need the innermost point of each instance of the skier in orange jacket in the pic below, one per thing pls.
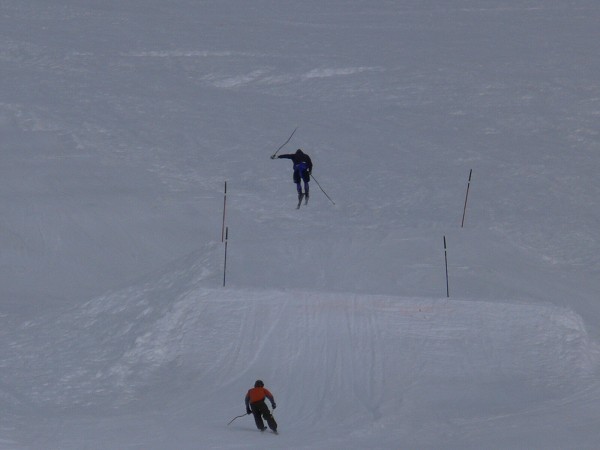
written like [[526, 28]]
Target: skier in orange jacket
[[255, 404]]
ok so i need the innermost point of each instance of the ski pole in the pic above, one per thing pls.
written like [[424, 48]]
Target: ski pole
[[284, 144], [236, 417], [315, 180]]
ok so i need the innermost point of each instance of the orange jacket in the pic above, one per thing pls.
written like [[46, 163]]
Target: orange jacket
[[258, 394]]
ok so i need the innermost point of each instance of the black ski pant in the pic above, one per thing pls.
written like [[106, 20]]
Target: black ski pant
[[260, 411]]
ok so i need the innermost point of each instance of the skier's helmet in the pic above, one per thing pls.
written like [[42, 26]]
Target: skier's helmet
[[259, 383], [299, 152]]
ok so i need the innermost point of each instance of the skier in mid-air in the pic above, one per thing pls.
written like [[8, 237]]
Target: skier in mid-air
[[255, 404], [302, 169]]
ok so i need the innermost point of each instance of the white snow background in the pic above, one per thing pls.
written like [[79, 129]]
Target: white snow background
[[121, 120]]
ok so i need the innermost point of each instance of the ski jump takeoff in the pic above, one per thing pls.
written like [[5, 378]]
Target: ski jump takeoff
[[255, 404], [302, 170]]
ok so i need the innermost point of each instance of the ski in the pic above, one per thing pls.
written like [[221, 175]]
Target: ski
[[300, 197]]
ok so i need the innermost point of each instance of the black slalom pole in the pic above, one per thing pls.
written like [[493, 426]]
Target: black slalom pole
[[224, 207], [225, 261], [446, 260], [466, 198]]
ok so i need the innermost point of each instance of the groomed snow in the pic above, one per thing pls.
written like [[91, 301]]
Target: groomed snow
[[120, 123]]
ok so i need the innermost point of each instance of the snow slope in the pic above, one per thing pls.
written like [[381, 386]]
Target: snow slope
[[120, 122]]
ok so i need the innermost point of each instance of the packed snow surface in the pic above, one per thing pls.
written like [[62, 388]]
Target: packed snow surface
[[126, 321]]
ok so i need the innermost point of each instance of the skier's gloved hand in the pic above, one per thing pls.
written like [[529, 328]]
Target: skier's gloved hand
[[248, 411], [274, 406]]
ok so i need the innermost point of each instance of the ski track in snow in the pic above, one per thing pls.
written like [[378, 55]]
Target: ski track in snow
[[378, 357]]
